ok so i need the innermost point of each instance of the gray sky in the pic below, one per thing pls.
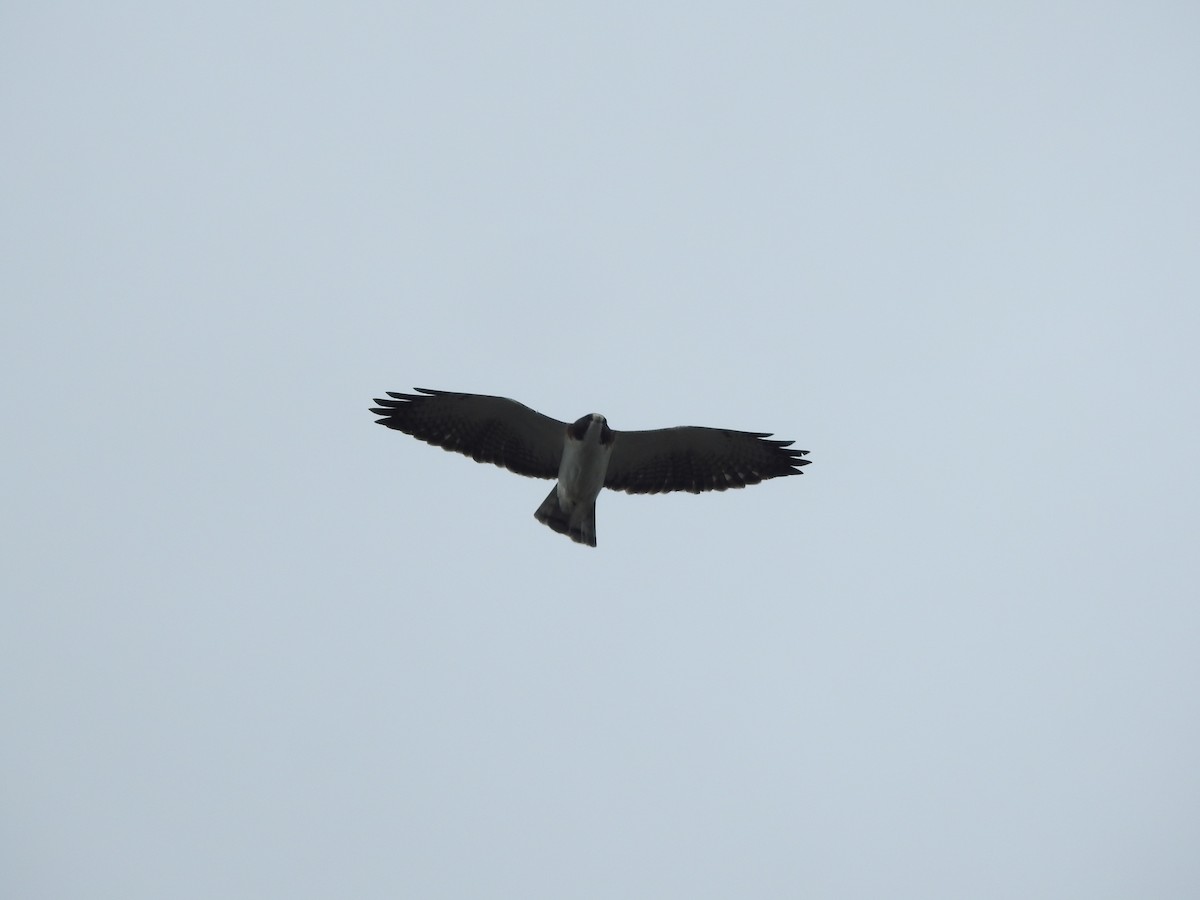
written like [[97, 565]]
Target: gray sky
[[256, 646]]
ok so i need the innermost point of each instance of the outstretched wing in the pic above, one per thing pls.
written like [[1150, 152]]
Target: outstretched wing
[[487, 429], [697, 459]]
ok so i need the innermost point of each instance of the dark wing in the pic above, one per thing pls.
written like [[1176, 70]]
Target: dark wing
[[487, 429], [697, 459]]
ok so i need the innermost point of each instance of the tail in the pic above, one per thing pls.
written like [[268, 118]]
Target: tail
[[579, 524]]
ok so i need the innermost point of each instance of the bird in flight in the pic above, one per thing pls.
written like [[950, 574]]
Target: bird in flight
[[586, 455]]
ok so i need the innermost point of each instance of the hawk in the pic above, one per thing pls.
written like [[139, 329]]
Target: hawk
[[586, 455]]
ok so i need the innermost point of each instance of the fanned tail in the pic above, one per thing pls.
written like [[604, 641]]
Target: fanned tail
[[578, 524]]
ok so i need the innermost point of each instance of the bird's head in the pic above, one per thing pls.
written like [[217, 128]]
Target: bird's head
[[595, 424]]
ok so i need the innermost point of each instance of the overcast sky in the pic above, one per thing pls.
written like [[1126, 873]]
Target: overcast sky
[[254, 645]]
